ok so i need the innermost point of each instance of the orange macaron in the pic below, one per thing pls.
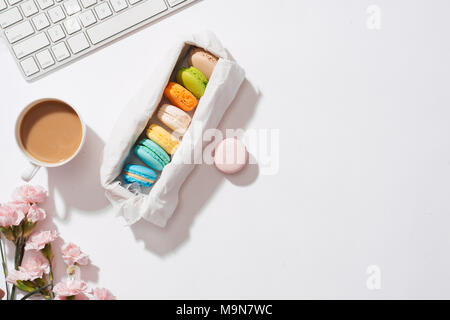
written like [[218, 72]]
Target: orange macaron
[[180, 97]]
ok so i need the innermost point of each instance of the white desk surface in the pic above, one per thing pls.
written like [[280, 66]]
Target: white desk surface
[[364, 175]]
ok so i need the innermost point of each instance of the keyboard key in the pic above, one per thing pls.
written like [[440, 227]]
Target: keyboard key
[[19, 31], [10, 17], [60, 51], [31, 45], [44, 4], [87, 18], [29, 66], [41, 21], [56, 14], [13, 2], [3, 5], [125, 20], [118, 5], [134, 1], [72, 7], [56, 33], [45, 59], [173, 3], [29, 8], [72, 25], [103, 11], [88, 3], [78, 43]]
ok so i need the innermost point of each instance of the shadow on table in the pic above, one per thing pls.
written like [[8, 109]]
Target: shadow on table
[[78, 182], [202, 184]]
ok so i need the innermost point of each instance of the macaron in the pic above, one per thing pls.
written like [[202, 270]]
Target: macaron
[[192, 79], [163, 138], [134, 173], [230, 156], [203, 61], [175, 118], [152, 154], [180, 97]]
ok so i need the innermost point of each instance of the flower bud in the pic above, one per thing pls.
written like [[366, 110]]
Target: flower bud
[[74, 272], [9, 234], [47, 252], [28, 227]]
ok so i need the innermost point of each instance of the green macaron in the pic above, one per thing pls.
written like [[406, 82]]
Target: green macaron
[[192, 79]]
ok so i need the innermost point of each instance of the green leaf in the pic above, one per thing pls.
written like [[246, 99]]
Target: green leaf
[[26, 286]]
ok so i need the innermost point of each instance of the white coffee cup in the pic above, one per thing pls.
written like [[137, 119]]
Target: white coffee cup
[[35, 164]]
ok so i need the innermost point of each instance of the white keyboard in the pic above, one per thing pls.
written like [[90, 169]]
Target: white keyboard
[[46, 34]]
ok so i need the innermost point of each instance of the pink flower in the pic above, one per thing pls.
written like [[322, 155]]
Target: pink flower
[[16, 275], [38, 241], [36, 265], [30, 194], [36, 214], [72, 255], [102, 294], [70, 287], [80, 296], [32, 268], [23, 207], [9, 216]]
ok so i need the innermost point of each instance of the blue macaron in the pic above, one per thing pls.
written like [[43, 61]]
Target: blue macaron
[[152, 154], [139, 174]]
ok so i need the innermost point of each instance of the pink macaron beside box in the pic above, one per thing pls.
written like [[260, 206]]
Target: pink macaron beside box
[[157, 204]]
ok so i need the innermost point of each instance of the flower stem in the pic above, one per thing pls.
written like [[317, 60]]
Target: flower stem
[[13, 290], [50, 278], [5, 268], [35, 291], [18, 257]]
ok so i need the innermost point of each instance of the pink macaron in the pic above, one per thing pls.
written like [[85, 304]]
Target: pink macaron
[[230, 156]]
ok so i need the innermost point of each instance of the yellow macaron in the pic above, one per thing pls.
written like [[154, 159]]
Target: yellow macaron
[[163, 138]]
